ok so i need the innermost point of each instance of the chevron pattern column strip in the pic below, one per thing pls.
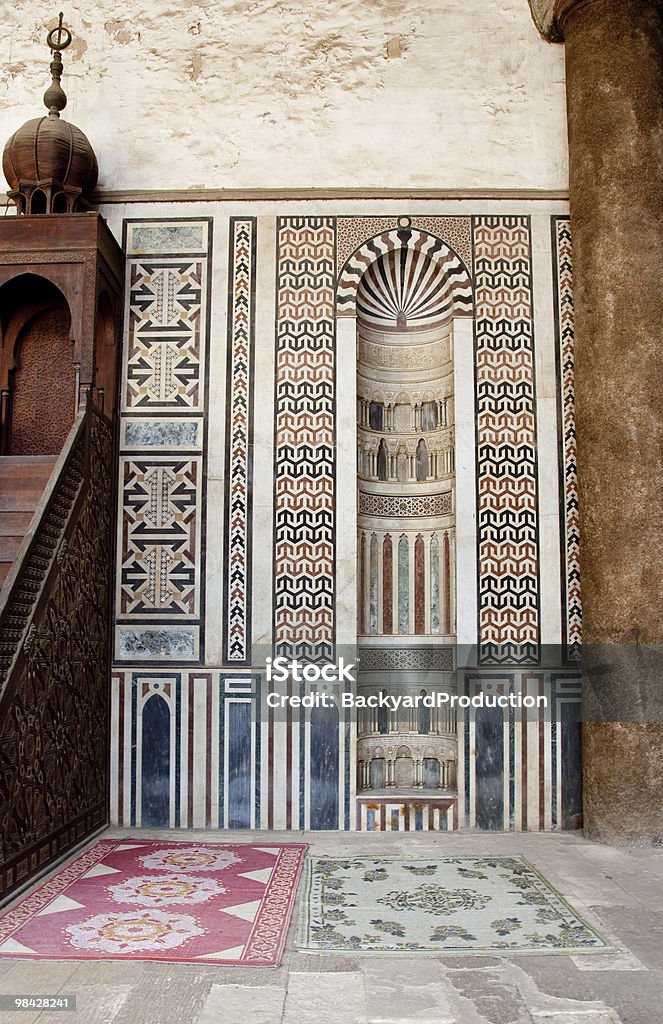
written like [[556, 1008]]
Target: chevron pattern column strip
[[564, 323], [304, 439], [507, 498], [239, 441]]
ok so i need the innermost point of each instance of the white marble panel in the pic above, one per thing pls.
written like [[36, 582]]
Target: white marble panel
[[547, 432], [466, 525]]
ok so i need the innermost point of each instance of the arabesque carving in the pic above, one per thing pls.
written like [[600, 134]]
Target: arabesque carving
[[54, 703]]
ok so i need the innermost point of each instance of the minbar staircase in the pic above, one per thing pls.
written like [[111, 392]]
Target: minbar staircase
[[55, 551], [23, 479]]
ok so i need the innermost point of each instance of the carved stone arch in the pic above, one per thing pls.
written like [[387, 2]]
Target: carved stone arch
[[456, 275]]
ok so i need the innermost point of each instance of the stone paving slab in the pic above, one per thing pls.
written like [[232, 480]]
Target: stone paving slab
[[173, 995], [617, 961], [95, 1004], [25, 977], [243, 1004], [326, 999], [412, 992]]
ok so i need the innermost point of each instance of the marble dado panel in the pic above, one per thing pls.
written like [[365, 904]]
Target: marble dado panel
[[521, 770], [186, 749], [197, 759], [160, 570]]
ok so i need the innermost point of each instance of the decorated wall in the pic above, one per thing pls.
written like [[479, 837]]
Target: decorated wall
[[246, 495]]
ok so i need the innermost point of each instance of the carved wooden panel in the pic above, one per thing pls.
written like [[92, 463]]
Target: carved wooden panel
[[54, 709], [43, 401]]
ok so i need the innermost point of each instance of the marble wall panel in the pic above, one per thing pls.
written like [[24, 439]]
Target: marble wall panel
[[229, 762], [159, 594], [520, 768]]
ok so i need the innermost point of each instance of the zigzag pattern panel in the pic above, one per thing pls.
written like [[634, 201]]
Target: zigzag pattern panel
[[304, 513], [564, 322], [239, 440], [507, 499], [160, 543], [455, 281]]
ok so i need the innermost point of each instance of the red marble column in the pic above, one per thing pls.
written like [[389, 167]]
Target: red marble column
[[614, 76], [419, 586]]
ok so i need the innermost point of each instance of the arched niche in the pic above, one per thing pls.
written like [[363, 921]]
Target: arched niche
[[38, 375], [406, 300], [401, 298]]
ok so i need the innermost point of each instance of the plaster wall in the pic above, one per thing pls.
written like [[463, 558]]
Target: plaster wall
[[301, 94]]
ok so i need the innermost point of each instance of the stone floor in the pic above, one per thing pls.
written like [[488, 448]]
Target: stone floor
[[619, 891]]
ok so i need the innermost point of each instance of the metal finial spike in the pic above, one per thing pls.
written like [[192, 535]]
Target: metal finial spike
[[58, 39]]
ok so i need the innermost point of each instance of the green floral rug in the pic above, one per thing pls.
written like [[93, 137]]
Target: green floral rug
[[437, 905]]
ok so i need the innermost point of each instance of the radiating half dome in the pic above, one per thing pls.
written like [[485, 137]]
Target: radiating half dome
[[404, 290]]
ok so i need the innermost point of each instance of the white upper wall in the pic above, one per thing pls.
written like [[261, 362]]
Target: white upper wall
[[300, 93]]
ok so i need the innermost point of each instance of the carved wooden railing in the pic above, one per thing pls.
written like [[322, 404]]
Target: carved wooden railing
[[54, 662]]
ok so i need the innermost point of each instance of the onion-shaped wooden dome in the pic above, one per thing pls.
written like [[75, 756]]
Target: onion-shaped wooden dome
[[49, 163]]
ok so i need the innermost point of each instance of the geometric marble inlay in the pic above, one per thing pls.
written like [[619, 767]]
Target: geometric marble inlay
[[239, 441], [304, 437], [564, 322], [508, 586], [160, 551]]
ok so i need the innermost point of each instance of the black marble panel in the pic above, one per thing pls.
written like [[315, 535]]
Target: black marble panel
[[324, 768], [155, 777], [571, 764], [489, 744], [239, 765]]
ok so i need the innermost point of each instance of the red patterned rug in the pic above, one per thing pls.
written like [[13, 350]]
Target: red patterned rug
[[185, 902]]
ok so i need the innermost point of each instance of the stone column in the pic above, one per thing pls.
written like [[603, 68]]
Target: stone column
[[614, 75]]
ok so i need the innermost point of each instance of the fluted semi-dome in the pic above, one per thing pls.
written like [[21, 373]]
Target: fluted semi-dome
[[49, 163]]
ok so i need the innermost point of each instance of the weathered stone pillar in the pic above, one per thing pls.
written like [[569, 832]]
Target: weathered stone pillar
[[614, 73]]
